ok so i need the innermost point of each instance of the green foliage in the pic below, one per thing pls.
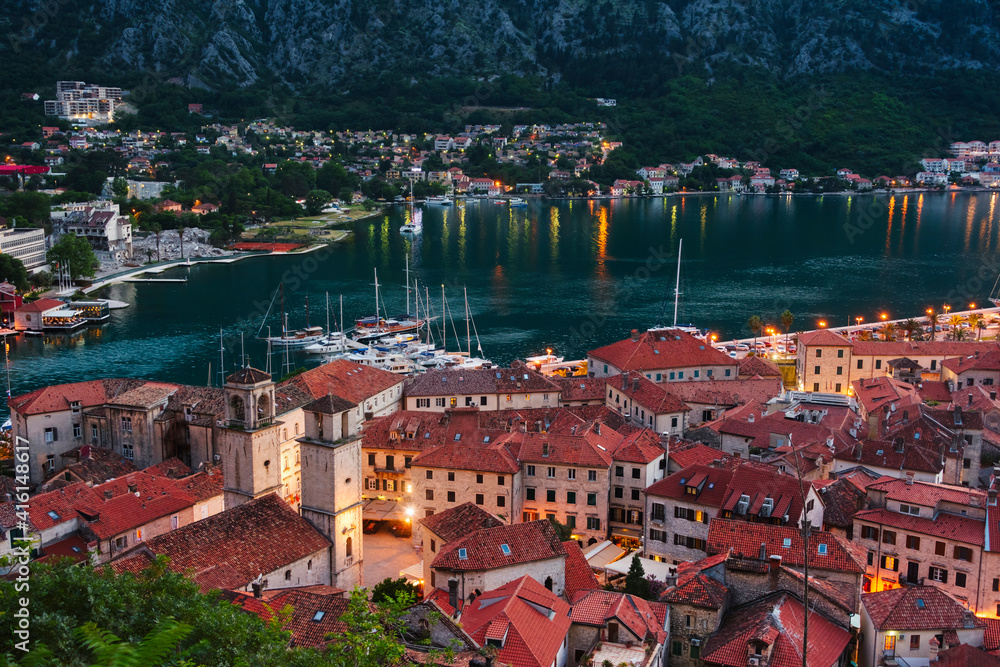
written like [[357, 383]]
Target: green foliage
[[374, 632], [74, 251], [562, 530], [316, 200], [635, 581], [119, 188], [154, 610], [389, 590], [12, 270], [29, 209]]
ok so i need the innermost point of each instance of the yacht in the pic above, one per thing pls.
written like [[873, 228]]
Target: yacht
[[439, 200], [517, 202]]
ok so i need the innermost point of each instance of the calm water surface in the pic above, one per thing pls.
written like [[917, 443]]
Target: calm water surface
[[569, 275]]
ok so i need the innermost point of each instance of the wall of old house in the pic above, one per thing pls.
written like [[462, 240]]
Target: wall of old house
[[486, 580], [251, 463], [33, 429], [465, 487], [561, 509], [687, 623]]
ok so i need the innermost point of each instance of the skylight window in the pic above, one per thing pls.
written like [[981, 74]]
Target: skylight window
[[505, 548], [920, 603], [683, 479], [486, 439], [711, 485], [655, 351], [458, 436], [463, 554], [318, 616], [821, 549], [53, 515], [787, 543]]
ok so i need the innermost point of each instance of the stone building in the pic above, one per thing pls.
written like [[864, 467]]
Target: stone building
[[678, 511], [613, 618], [514, 388], [662, 355], [644, 403]]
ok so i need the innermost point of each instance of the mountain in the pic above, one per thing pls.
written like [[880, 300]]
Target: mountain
[[336, 43]]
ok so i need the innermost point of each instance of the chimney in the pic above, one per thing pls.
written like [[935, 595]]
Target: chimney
[[970, 400], [108, 494], [597, 428], [453, 593], [909, 479], [635, 384], [763, 551], [773, 567], [256, 589], [635, 335], [132, 487]]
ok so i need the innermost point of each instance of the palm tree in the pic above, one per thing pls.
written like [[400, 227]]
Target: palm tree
[[910, 327], [756, 325], [888, 331], [180, 235], [787, 319], [865, 335], [957, 328], [933, 318], [157, 230], [975, 319]]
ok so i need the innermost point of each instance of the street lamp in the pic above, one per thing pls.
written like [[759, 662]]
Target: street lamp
[[884, 316], [947, 308], [822, 324], [972, 306], [858, 320]]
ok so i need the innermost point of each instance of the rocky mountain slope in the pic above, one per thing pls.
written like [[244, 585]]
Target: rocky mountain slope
[[334, 42]]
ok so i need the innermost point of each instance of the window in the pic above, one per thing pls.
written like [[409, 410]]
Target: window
[[423, 402], [571, 497], [815, 386], [939, 548], [821, 549], [451, 477], [837, 388], [93, 434], [878, 364], [909, 509], [453, 402], [591, 475], [463, 554], [816, 370], [592, 499], [500, 480], [996, 584], [501, 501], [51, 435], [78, 431], [695, 650], [890, 563], [658, 512], [482, 401], [479, 499], [888, 537], [434, 546], [429, 494], [531, 471], [505, 549], [127, 425], [960, 579], [50, 462], [963, 553], [451, 496], [914, 642], [551, 472], [508, 398], [871, 557], [840, 370], [635, 494], [571, 520], [529, 515], [619, 471], [550, 495], [619, 492], [571, 473], [128, 451], [468, 401], [429, 474], [938, 574], [593, 523], [869, 533], [912, 542], [479, 479], [810, 505], [658, 535], [819, 353], [439, 402], [636, 473], [407, 461], [529, 493], [861, 364]]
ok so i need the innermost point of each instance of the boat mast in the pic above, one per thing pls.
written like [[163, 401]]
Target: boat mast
[[444, 331], [468, 333], [427, 302], [328, 314], [222, 357], [284, 321], [307, 310], [376, 297], [677, 287], [407, 284], [343, 347]]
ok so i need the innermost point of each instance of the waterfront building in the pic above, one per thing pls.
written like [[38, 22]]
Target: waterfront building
[[662, 355], [101, 223], [642, 402], [27, 245], [513, 388]]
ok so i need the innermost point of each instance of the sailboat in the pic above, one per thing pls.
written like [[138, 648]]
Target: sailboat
[[463, 358], [291, 339], [334, 341], [686, 328], [375, 326], [415, 225]]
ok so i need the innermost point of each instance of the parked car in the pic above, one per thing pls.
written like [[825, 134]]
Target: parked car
[[401, 529], [370, 527]]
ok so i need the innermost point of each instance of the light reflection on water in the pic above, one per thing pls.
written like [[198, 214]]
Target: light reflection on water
[[536, 275]]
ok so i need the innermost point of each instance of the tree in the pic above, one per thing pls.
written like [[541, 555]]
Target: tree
[[564, 532], [932, 319], [787, 319], [119, 188], [29, 209], [12, 270], [374, 632], [756, 325], [888, 331], [180, 237], [155, 228], [910, 327], [153, 649], [316, 200], [635, 580], [74, 252], [390, 589]]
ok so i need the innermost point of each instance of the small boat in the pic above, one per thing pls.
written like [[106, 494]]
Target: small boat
[[517, 202], [414, 226], [439, 200], [372, 328], [394, 363], [300, 338]]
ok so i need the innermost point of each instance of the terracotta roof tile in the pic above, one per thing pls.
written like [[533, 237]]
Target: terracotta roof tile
[[726, 393], [342, 378], [306, 605], [959, 528], [916, 608], [460, 520], [655, 398], [248, 375], [755, 365], [661, 349], [598, 607], [527, 542], [230, 549], [841, 500], [744, 538], [685, 454], [713, 482], [965, 655], [698, 590], [579, 575], [580, 388]]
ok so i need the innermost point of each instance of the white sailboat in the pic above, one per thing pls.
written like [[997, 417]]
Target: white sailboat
[[292, 339], [415, 224], [334, 341], [686, 328]]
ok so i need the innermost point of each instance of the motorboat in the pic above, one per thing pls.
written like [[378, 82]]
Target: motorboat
[[517, 202], [439, 200]]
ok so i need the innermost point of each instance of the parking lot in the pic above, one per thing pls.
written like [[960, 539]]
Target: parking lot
[[385, 555]]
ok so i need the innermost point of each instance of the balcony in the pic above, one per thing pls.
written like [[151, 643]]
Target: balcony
[[391, 471]]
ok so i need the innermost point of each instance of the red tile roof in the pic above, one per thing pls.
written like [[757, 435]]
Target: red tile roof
[[530, 620], [755, 365], [579, 576], [698, 590], [460, 520], [726, 393], [342, 378], [654, 397], [759, 482], [640, 446], [471, 453], [516, 379], [776, 620], [842, 499], [713, 483], [597, 607], [229, 550], [661, 349], [580, 388], [685, 454], [934, 391], [58, 397], [74, 547], [305, 604], [927, 494], [745, 539], [916, 608], [583, 449], [41, 305], [822, 338], [959, 528], [528, 542], [927, 348], [965, 655], [988, 360], [991, 636]]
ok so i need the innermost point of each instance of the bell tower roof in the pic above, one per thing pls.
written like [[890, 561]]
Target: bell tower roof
[[248, 376]]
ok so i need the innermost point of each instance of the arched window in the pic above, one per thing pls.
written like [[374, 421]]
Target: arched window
[[237, 409], [548, 583], [236, 465], [263, 406], [309, 565], [288, 575], [349, 547]]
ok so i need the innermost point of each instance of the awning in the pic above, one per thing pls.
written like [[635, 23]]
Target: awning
[[630, 533], [413, 573], [61, 312], [602, 554], [657, 570], [382, 510]]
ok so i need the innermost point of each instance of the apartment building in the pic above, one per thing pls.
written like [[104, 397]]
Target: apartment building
[[514, 388], [27, 245], [662, 355]]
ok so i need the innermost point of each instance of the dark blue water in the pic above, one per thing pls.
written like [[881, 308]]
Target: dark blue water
[[570, 275]]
